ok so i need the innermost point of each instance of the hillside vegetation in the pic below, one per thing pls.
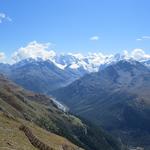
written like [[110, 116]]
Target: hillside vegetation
[[11, 137], [41, 110]]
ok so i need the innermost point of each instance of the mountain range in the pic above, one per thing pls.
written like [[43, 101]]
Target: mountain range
[[116, 97], [42, 76], [112, 92]]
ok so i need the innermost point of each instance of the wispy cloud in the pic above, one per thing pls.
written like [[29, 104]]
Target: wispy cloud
[[94, 38], [139, 39], [4, 17], [143, 38]]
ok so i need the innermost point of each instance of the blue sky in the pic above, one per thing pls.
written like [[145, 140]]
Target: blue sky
[[115, 25]]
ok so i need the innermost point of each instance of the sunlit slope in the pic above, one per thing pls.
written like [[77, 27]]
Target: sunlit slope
[[13, 138]]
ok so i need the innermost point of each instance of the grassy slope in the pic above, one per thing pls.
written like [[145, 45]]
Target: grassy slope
[[12, 138]]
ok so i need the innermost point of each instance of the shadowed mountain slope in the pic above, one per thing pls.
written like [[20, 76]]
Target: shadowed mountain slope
[[117, 97], [38, 75]]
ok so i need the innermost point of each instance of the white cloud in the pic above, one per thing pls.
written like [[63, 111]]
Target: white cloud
[[2, 56], [94, 38], [4, 17], [137, 54], [34, 50]]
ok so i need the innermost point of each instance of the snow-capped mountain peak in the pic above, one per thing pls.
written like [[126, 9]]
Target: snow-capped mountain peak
[[83, 63]]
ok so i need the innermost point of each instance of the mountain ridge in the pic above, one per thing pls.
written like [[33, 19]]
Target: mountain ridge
[[43, 76], [116, 97]]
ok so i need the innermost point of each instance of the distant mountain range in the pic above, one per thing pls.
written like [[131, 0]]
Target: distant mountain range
[[43, 76], [38, 75], [116, 97]]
